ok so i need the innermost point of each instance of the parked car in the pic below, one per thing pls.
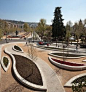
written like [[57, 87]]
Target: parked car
[[43, 43]]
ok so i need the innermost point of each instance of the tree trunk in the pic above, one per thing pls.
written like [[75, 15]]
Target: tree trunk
[[56, 41]]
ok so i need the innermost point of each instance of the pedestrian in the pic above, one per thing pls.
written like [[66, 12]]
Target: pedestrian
[[26, 42]]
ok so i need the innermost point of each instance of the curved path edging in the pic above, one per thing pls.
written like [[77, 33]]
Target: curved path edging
[[37, 87]]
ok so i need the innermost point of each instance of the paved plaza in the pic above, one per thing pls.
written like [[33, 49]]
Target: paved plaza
[[55, 77]]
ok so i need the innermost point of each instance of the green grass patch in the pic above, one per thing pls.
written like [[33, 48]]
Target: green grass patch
[[5, 61]]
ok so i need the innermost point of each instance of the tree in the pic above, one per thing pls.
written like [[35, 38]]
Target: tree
[[71, 27], [67, 33], [81, 26], [26, 27], [41, 28], [6, 29], [84, 21], [78, 28], [58, 29], [32, 52], [76, 31], [70, 23], [48, 33], [1, 28], [84, 31], [0, 34]]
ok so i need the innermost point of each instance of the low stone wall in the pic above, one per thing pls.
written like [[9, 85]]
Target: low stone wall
[[21, 79], [67, 66], [2, 64]]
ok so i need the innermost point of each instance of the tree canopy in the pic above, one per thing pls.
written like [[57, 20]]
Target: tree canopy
[[41, 28], [26, 27], [58, 29]]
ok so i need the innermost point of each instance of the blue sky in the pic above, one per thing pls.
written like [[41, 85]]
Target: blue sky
[[34, 10]]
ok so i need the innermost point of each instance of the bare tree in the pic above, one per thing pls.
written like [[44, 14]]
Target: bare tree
[[32, 52]]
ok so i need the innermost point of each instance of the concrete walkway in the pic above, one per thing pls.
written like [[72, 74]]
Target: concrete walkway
[[52, 81]]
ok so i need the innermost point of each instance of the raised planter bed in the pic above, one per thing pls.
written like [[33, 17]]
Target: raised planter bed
[[76, 79], [83, 46], [80, 79], [67, 65], [5, 62], [84, 60], [17, 48], [65, 55], [21, 72], [28, 70]]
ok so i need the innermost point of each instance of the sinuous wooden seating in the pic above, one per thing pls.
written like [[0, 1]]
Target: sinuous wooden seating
[[67, 65]]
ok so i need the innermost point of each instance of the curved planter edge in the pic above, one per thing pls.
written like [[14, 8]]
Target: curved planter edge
[[66, 57], [21, 79], [17, 50], [67, 66], [69, 83], [2, 64]]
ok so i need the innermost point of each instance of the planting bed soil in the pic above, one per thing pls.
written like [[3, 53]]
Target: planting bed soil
[[66, 55], [28, 70]]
